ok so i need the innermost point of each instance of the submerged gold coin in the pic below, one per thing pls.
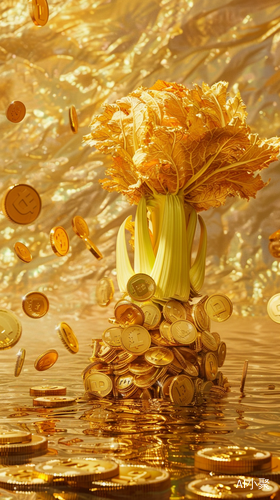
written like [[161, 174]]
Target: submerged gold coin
[[98, 384], [19, 361], [53, 401], [112, 336], [39, 12], [232, 487], [93, 249], [21, 204], [135, 339], [16, 111], [141, 287], [22, 252], [181, 390], [159, 356], [73, 119], [9, 436], [273, 308], [218, 307], [59, 241], [68, 337], [10, 329], [183, 331], [174, 310], [36, 444], [35, 304], [152, 315], [104, 292], [21, 478], [80, 227], [232, 459], [77, 470], [47, 390], [46, 360], [128, 314]]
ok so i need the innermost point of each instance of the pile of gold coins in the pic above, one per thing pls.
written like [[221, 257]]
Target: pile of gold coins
[[157, 350]]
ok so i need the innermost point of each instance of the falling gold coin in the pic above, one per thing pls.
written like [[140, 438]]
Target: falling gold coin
[[181, 390], [46, 360], [10, 329], [77, 470], [135, 339], [9, 436], [159, 356], [104, 292], [22, 252], [93, 249], [68, 337], [59, 241], [21, 204], [19, 362], [273, 308], [141, 287], [53, 401], [16, 112], [47, 390], [39, 12], [36, 444], [218, 307], [35, 304], [80, 226], [73, 119]]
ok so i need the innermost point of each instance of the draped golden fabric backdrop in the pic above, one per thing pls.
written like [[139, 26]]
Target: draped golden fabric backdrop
[[95, 51]]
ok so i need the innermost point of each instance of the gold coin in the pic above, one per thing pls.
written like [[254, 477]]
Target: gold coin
[[140, 366], [128, 314], [37, 443], [232, 487], [181, 390], [209, 341], [112, 336], [274, 248], [9, 436], [183, 331], [10, 329], [73, 119], [16, 111], [275, 236], [210, 366], [20, 361], [22, 252], [53, 401], [244, 375], [273, 308], [164, 330], [47, 390], [98, 384], [80, 226], [222, 351], [124, 382], [201, 319], [39, 12], [191, 369], [104, 292], [152, 315], [59, 241], [218, 307], [93, 249], [141, 287], [159, 356], [21, 478], [78, 471], [35, 304], [140, 478], [232, 459], [21, 204], [46, 360], [174, 310], [135, 339], [68, 337]]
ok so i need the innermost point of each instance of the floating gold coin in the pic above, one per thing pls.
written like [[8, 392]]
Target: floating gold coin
[[35, 304], [104, 292], [68, 337], [174, 310], [39, 12], [135, 339], [93, 249], [222, 351], [21, 478], [47, 390], [98, 384], [273, 308], [78, 471], [128, 314], [141, 287], [183, 331], [181, 390], [19, 361], [53, 401], [152, 315], [140, 478], [22, 252], [232, 487], [274, 248], [37, 443], [9, 436], [218, 307], [80, 226], [59, 241], [21, 204], [159, 356], [232, 459], [210, 366], [16, 111], [112, 336], [46, 360], [10, 329], [73, 119]]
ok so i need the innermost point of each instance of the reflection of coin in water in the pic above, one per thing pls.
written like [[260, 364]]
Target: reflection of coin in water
[[35, 304], [16, 112], [59, 241], [22, 252], [10, 329], [141, 287], [80, 226], [19, 361], [68, 337], [21, 204], [39, 12], [46, 360], [73, 119]]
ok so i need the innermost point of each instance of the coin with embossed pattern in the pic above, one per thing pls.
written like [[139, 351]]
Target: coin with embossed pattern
[[210, 366], [218, 307], [10, 329], [35, 304], [19, 362], [181, 390], [128, 314], [80, 226], [22, 252], [112, 336], [39, 12], [141, 287], [222, 351], [232, 487], [159, 356], [53, 401], [46, 360], [183, 331], [104, 291], [59, 241], [78, 471], [152, 315], [273, 308], [174, 310], [21, 204], [21, 478], [68, 337], [135, 339], [16, 111], [98, 384]]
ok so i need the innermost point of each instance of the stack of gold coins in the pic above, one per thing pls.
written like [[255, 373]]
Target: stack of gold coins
[[166, 349]]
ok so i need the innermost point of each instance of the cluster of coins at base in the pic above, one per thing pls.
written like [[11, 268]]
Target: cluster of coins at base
[[160, 351]]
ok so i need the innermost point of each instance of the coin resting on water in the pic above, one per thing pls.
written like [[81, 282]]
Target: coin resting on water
[[22, 252], [230, 459], [53, 401], [9, 436], [77, 470], [16, 111], [59, 241], [10, 329], [36, 444], [35, 304], [21, 204], [46, 360], [21, 478], [47, 390], [68, 337]]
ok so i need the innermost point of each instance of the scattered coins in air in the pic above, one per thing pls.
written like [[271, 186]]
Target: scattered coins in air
[[39, 12], [47, 390], [19, 362], [68, 337], [53, 401], [73, 119], [104, 292], [22, 252], [21, 204], [35, 304], [232, 459], [59, 241], [273, 308], [274, 244], [93, 249], [46, 360], [16, 111], [244, 375], [80, 227], [10, 329]]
